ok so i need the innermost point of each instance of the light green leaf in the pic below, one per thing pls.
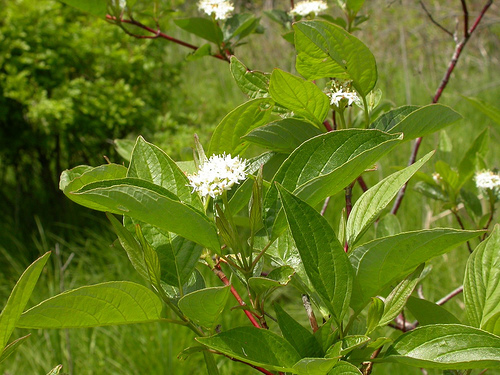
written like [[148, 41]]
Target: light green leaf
[[124, 147], [327, 50], [259, 347], [283, 136], [355, 5], [446, 346], [300, 337], [427, 312], [344, 368], [469, 162], [19, 298], [489, 110], [278, 277], [396, 300], [381, 262], [150, 163], [150, 259], [239, 26], [95, 7], [152, 204], [227, 135], [390, 119], [12, 347], [111, 303], [253, 83], [205, 306], [388, 226], [482, 284], [324, 259], [314, 366], [202, 27], [368, 207], [55, 370], [302, 97], [349, 343], [375, 312], [202, 51], [324, 165]]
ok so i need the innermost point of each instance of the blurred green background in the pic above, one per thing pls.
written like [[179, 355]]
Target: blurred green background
[[70, 84]]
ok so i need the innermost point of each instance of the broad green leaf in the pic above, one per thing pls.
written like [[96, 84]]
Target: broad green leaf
[[124, 147], [130, 245], [324, 259], [468, 164], [489, 110], [446, 346], [427, 312], [253, 83], [111, 303], [19, 297], [55, 370], [283, 136], [344, 368], [278, 277], [324, 165], [389, 225], [300, 337], [482, 284], [314, 366], [202, 51], [150, 259], [369, 206], [150, 163], [375, 312], [355, 5], [241, 196], [327, 50], [301, 97], [95, 7], [390, 119], [152, 204], [258, 347], [227, 135], [202, 27], [396, 300], [12, 347], [425, 120], [349, 343], [379, 263], [205, 306]]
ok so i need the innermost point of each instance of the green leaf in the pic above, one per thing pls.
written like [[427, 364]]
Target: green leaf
[[277, 278], [124, 147], [300, 337], [388, 226], [390, 119], [425, 120], [111, 303], [427, 312], [12, 347], [482, 284], [240, 25], [258, 347], [202, 27], [469, 162], [253, 83], [55, 370], [492, 112], [19, 298], [396, 300], [227, 135], [150, 259], [381, 262], [344, 368], [354, 5], [202, 51], [349, 343], [95, 7], [324, 165], [314, 366], [152, 204], [302, 97], [446, 346], [255, 204], [324, 259], [375, 312], [150, 163], [327, 50], [205, 306], [283, 136], [368, 207]]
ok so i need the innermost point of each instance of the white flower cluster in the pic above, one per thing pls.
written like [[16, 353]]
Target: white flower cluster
[[218, 174], [487, 180], [342, 91], [221, 8], [304, 8]]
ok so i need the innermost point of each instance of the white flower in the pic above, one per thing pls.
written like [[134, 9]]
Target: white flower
[[218, 174], [437, 178], [487, 180], [304, 8], [221, 8], [339, 92]]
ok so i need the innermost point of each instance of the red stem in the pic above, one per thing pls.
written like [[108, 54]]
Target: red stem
[[451, 66], [159, 34]]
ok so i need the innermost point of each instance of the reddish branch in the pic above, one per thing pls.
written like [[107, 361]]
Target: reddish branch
[[157, 34], [451, 66]]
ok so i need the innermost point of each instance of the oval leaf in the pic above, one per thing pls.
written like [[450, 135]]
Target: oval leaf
[[204, 306]]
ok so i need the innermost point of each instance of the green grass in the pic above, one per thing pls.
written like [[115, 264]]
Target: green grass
[[412, 56]]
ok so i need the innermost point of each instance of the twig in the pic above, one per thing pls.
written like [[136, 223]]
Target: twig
[[434, 21], [451, 66], [327, 125], [450, 295], [325, 206], [224, 279], [362, 184], [368, 366], [157, 34], [310, 313], [466, 18], [455, 213]]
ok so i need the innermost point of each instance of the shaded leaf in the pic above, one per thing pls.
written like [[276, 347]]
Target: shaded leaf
[[202, 27], [427, 312], [205, 306]]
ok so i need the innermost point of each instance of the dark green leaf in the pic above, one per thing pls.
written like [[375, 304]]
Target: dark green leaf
[[427, 312], [202, 51], [205, 306], [388, 226], [202, 27], [74, 179], [468, 164]]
